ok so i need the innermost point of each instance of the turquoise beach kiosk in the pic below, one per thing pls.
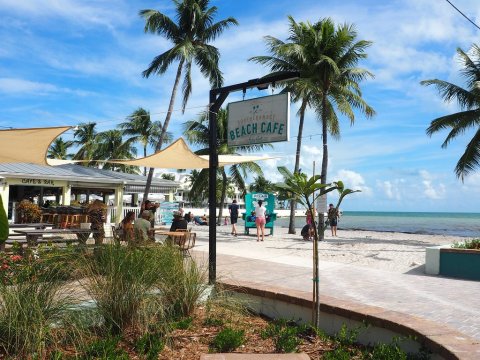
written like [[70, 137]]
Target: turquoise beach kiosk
[[251, 200]]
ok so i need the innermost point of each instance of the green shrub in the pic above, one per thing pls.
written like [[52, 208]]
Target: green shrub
[[105, 349], [150, 345], [181, 282], [285, 335], [3, 224], [122, 282], [340, 353], [183, 324], [32, 305], [388, 352], [213, 322], [347, 336], [473, 244], [228, 340]]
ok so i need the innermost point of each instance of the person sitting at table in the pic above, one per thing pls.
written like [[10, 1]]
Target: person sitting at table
[[143, 228], [179, 222], [189, 216], [126, 226]]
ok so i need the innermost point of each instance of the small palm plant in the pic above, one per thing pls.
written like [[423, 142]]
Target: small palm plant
[[306, 191]]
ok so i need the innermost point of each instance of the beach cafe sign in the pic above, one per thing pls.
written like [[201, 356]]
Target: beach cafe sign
[[258, 121]]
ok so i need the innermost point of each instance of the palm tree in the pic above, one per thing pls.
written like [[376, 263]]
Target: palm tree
[[85, 137], [166, 176], [197, 133], [260, 184], [326, 57], [191, 35], [469, 118], [306, 191], [59, 149], [112, 146], [140, 128]]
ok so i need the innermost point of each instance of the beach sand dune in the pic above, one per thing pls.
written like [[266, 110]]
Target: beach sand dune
[[390, 251]]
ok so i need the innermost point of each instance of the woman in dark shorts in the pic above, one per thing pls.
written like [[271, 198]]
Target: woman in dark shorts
[[333, 219], [233, 208]]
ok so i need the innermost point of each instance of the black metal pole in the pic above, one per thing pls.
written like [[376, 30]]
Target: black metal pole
[[212, 190], [217, 97]]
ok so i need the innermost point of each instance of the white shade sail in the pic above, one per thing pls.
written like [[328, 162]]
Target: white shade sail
[[179, 156], [28, 145]]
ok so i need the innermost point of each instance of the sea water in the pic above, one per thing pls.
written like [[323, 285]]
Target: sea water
[[455, 224]]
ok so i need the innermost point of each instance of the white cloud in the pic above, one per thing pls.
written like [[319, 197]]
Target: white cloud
[[21, 86], [98, 12], [430, 190], [312, 150], [391, 189], [352, 180]]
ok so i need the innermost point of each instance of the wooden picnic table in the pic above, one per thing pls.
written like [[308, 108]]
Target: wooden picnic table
[[29, 225], [33, 235]]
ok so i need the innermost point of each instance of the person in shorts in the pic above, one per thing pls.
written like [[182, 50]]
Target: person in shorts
[[332, 216], [233, 208], [260, 219]]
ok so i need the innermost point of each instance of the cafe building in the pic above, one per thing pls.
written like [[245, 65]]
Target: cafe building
[[67, 183]]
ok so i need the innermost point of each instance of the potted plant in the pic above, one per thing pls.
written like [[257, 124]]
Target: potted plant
[[28, 212]]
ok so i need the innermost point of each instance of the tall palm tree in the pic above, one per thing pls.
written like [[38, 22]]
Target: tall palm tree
[[85, 137], [112, 146], [191, 35], [59, 149], [140, 128], [469, 118], [260, 184], [326, 57], [197, 133]]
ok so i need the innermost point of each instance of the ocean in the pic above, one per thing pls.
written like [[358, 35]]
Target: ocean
[[454, 224]]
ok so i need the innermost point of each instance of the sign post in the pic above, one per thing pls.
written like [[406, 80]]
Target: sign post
[[217, 97], [259, 121]]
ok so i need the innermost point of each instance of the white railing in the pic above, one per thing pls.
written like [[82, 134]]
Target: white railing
[[112, 213]]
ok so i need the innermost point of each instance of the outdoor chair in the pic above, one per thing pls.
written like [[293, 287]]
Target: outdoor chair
[[187, 242]]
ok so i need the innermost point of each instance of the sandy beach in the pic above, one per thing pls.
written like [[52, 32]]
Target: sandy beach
[[390, 251]]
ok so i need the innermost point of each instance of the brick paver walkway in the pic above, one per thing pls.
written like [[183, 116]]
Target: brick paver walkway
[[447, 301]]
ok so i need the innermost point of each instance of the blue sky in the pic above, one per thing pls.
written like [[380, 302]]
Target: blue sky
[[63, 63]]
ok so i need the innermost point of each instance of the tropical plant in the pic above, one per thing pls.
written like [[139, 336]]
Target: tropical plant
[[140, 128], [197, 133], [227, 340], [469, 118], [110, 146], [260, 184], [28, 212], [85, 137], [326, 57], [3, 225], [168, 176], [191, 35], [59, 149], [306, 191]]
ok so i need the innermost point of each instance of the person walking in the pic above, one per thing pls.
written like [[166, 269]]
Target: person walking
[[233, 209], [332, 216], [260, 219]]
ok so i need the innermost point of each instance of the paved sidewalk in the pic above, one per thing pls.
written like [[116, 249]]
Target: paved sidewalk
[[446, 301]]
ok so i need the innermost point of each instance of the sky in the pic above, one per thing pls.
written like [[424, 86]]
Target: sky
[[75, 61]]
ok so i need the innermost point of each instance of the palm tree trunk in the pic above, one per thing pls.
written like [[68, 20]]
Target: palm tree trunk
[[145, 155], [323, 175], [291, 225], [222, 199], [165, 126]]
